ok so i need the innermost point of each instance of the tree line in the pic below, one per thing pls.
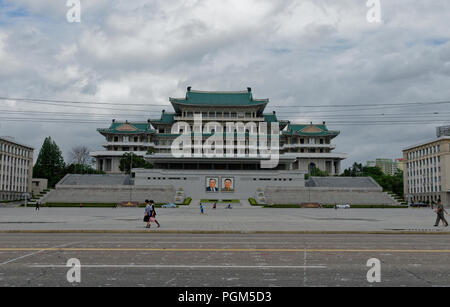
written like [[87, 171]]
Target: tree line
[[50, 163], [392, 183]]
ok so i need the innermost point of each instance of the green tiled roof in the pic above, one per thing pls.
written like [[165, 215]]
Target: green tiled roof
[[166, 118], [224, 134], [270, 118], [310, 130], [127, 128], [224, 99]]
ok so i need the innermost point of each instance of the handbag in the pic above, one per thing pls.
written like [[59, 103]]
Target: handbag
[[146, 218]]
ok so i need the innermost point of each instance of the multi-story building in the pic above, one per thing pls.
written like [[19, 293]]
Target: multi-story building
[[122, 138], [443, 131], [427, 171], [388, 166], [302, 146], [218, 147], [16, 169]]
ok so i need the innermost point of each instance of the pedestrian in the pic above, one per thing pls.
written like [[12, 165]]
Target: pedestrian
[[440, 214], [201, 209], [214, 206], [153, 214], [38, 205], [148, 213]]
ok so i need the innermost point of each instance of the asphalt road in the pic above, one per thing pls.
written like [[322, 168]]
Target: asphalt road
[[223, 260]]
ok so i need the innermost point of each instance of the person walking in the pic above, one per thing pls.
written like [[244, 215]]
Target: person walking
[[202, 211], [38, 205], [440, 214], [153, 214], [148, 213]]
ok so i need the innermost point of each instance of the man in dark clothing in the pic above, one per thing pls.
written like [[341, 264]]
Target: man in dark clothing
[[440, 214]]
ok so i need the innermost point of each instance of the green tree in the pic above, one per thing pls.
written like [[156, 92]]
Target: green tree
[[316, 172], [390, 183], [353, 171], [397, 183], [130, 160], [81, 169], [50, 163]]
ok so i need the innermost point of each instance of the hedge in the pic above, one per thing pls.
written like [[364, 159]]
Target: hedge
[[297, 206], [76, 205], [95, 205], [253, 202]]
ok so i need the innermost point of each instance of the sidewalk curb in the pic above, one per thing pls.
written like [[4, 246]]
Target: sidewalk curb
[[380, 232]]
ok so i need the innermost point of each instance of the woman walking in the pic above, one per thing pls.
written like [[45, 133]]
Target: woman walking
[[148, 213], [153, 214]]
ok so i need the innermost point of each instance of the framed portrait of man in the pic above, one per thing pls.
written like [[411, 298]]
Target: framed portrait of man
[[212, 184], [227, 184]]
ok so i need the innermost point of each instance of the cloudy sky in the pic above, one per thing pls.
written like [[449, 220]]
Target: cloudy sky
[[318, 60]]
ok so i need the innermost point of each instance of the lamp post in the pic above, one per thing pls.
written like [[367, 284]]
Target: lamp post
[[131, 175]]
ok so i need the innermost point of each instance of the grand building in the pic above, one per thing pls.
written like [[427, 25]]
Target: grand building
[[220, 147], [16, 169], [427, 170], [302, 147]]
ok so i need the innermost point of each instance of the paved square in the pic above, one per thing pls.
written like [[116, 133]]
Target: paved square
[[221, 219]]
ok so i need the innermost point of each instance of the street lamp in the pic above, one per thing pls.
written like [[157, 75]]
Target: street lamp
[[131, 175]]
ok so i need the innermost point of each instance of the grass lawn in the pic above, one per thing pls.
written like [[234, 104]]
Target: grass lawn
[[332, 206]]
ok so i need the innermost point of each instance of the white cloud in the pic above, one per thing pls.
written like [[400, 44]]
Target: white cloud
[[294, 52]]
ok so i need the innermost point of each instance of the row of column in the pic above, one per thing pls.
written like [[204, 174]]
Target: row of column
[[14, 173]]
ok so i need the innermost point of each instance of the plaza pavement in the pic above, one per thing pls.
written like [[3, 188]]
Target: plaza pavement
[[238, 219]]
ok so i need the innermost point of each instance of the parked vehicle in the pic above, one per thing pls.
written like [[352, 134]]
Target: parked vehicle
[[343, 206]]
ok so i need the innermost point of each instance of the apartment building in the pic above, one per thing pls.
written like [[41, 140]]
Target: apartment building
[[16, 169], [427, 171]]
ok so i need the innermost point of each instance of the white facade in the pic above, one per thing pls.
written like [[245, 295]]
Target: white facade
[[427, 171], [16, 168]]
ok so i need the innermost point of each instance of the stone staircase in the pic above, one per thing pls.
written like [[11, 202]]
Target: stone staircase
[[260, 197], [40, 197], [399, 200], [179, 197]]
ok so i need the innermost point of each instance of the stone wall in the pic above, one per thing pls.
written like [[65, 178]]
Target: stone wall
[[331, 196], [109, 194]]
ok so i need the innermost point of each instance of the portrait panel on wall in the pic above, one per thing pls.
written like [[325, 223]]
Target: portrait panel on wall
[[227, 184], [212, 184]]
